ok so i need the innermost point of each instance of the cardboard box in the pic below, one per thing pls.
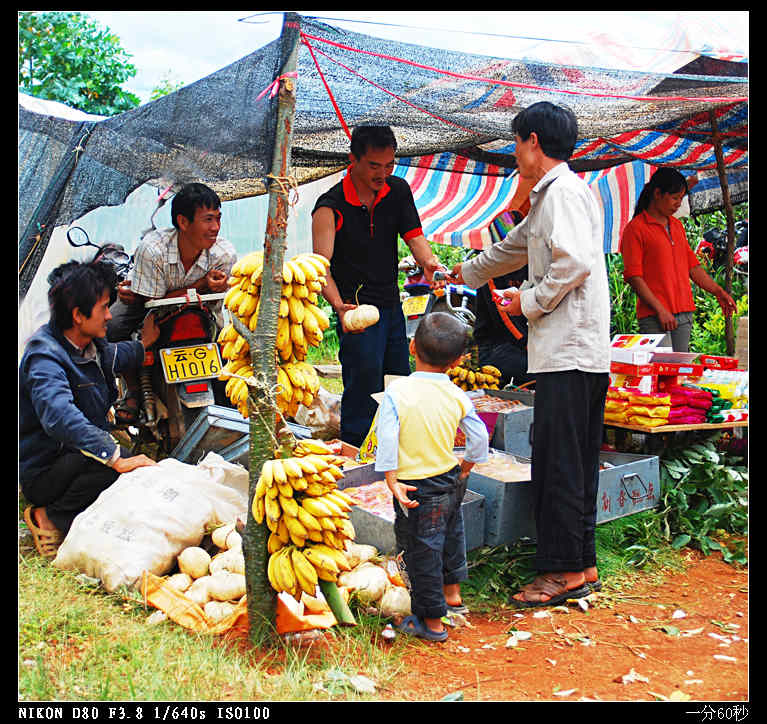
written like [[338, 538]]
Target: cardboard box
[[665, 369], [634, 349], [631, 484], [622, 368], [719, 363]]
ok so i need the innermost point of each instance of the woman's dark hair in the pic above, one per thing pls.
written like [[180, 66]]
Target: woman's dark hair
[[555, 126], [666, 180], [78, 284], [440, 339], [365, 137], [190, 198]]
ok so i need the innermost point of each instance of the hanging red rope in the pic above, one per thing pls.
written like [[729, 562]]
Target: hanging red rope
[[512, 84], [327, 88], [393, 95]]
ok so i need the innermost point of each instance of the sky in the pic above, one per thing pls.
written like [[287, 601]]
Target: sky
[[184, 46]]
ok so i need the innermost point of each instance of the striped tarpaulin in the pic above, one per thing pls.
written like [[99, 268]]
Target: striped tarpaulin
[[458, 209]]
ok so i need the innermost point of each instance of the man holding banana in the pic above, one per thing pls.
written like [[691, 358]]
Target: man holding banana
[[356, 224]]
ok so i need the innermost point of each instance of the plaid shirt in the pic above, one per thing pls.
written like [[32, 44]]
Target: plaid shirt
[[158, 270]]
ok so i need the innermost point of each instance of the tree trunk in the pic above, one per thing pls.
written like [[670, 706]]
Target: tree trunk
[[729, 333], [263, 414]]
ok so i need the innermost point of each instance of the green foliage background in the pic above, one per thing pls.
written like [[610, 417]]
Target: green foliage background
[[69, 58]]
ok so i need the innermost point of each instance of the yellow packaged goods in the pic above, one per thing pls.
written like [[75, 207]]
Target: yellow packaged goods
[[618, 393], [618, 406], [660, 411], [647, 421], [621, 417], [655, 398]]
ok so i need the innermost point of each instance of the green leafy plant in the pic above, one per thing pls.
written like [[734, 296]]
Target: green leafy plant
[[623, 319], [70, 58], [704, 493]]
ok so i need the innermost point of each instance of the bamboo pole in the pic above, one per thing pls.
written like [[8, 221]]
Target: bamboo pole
[[729, 213], [262, 602]]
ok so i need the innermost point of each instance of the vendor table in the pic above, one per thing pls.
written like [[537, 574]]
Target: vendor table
[[657, 442]]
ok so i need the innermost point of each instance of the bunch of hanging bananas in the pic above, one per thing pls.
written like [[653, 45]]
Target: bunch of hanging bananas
[[300, 324], [467, 378], [307, 516]]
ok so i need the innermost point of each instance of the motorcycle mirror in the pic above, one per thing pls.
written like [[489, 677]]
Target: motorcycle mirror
[[77, 236]]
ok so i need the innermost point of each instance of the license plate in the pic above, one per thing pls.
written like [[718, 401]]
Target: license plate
[[198, 362], [413, 306]]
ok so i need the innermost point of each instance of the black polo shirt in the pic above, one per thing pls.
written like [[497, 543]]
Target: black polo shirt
[[365, 251]]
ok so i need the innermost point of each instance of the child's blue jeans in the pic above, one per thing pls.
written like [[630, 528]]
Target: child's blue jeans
[[432, 538]]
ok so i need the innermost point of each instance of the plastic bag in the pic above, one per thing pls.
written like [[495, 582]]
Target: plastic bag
[[323, 416], [149, 515]]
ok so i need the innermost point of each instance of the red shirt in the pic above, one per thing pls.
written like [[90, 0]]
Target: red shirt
[[663, 263]]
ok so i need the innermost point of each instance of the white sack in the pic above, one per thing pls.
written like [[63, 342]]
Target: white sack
[[148, 516]]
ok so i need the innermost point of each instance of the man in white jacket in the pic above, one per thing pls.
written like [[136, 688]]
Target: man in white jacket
[[566, 302]]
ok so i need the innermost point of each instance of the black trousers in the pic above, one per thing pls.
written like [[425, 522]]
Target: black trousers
[[433, 540], [568, 430], [69, 487]]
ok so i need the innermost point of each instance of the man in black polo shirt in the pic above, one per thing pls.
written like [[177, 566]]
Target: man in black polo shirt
[[356, 225]]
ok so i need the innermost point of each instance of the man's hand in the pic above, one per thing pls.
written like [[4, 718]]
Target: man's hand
[[124, 293], [125, 465], [510, 302], [726, 302], [667, 320], [149, 331], [216, 281], [456, 275], [341, 311], [431, 266]]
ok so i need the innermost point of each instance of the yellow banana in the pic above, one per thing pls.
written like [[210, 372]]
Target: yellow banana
[[298, 273], [292, 468], [339, 557], [285, 490], [345, 527], [322, 319], [295, 527], [258, 508], [278, 472], [287, 273], [306, 465], [338, 500], [306, 573], [319, 267], [335, 508], [287, 290], [273, 510], [310, 325], [270, 574], [322, 259], [273, 544], [284, 307], [283, 332], [284, 382], [282, 531], [320, 560], [294, 373], [315, 446], [289, 507], [296, 311], [253, 321], [308, 520], [314, 535], [317, 507], [301, 291], [307, 269], [299, 484]]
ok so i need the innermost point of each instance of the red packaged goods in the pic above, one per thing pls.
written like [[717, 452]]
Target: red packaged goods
[[674, 368], [720, 363], [623, 368]]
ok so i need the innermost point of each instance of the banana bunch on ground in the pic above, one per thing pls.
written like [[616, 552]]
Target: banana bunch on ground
[[467, 378], [300, 324], [308, 518]]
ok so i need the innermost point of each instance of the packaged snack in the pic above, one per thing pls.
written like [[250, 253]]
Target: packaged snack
[[650, 410]]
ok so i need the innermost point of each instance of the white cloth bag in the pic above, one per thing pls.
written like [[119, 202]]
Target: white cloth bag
[[148, 516]]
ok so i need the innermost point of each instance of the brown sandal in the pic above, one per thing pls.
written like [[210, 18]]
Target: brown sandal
[[551, 585], [47, 542]]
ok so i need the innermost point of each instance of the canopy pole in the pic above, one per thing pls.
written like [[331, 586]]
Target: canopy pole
[[263, 423], [729, 213]]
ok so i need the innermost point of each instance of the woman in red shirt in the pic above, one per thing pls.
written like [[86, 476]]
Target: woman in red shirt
[[659, 263]]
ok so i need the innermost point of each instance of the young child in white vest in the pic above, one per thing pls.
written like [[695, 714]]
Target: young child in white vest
[[416, 428]]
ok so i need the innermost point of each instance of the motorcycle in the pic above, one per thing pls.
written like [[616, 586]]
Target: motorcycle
[[419, 299], [713, 243], [179, 374]]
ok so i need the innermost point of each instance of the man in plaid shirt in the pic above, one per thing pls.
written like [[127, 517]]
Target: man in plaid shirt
[[167, 262]]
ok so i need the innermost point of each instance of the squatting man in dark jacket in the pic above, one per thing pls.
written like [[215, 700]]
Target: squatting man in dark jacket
[[66, 387]]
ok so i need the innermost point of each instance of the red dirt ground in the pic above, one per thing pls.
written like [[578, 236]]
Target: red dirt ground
[[577, 655]]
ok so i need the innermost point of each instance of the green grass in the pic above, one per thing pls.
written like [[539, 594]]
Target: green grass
[[78, 642]]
